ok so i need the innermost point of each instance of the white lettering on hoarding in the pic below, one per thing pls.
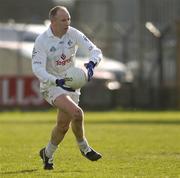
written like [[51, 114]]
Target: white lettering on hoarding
[[35, 87], [20, 97], [6, 98], [20, 91]]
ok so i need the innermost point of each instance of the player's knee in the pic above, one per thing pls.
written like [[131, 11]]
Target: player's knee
[[78, 114]]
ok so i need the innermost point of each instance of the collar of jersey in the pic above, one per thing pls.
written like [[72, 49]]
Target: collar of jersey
[[50, 33]]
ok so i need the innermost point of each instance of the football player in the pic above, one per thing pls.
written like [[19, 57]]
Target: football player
[[53, 54]]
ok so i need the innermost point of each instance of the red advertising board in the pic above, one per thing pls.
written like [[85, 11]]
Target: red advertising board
[[20, 91]]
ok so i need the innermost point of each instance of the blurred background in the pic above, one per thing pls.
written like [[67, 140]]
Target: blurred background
[[140, 40]]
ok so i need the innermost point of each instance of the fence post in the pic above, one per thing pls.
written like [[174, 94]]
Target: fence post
[[178, 64]]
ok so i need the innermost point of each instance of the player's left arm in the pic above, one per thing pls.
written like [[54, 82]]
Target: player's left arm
[[90, 48], [95, 54]]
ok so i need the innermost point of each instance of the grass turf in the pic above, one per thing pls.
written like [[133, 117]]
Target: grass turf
[[133, 145]]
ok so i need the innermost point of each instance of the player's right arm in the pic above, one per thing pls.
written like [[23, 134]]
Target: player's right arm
[[39, 59]]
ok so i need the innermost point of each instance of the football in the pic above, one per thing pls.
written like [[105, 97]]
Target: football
[[75, 78]]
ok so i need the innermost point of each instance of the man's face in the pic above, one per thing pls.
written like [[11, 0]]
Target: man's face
[[62, 20]]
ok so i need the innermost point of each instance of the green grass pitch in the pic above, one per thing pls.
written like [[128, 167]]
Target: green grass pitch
[[133, 145]]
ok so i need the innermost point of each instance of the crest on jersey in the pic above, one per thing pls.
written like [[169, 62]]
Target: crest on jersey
[[52, 49], [90, 48], [70, 42], [63, 56]]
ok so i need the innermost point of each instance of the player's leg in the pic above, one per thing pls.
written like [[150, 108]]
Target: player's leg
[[61, 127], [86, 150], [67, 110], [77, 126], [76, 114], [58, 133], [72, 112]]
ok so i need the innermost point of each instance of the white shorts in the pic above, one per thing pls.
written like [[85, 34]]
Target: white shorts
[[53, 92]]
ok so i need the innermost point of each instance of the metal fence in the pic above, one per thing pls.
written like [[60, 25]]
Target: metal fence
[[121, 31]]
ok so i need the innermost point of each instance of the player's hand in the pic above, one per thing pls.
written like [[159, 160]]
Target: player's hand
[[90, 67], [61, 82]]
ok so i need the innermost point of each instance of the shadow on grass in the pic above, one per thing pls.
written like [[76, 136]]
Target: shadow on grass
[[34, 170], [19, 172], [106, 121]]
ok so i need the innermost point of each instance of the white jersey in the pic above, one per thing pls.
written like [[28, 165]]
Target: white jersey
[[52, 56]]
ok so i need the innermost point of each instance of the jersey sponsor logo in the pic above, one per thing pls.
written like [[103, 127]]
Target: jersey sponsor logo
[[63, 62]]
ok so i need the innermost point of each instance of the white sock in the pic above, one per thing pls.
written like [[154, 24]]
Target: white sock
[[84, 146], [50, 149]]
